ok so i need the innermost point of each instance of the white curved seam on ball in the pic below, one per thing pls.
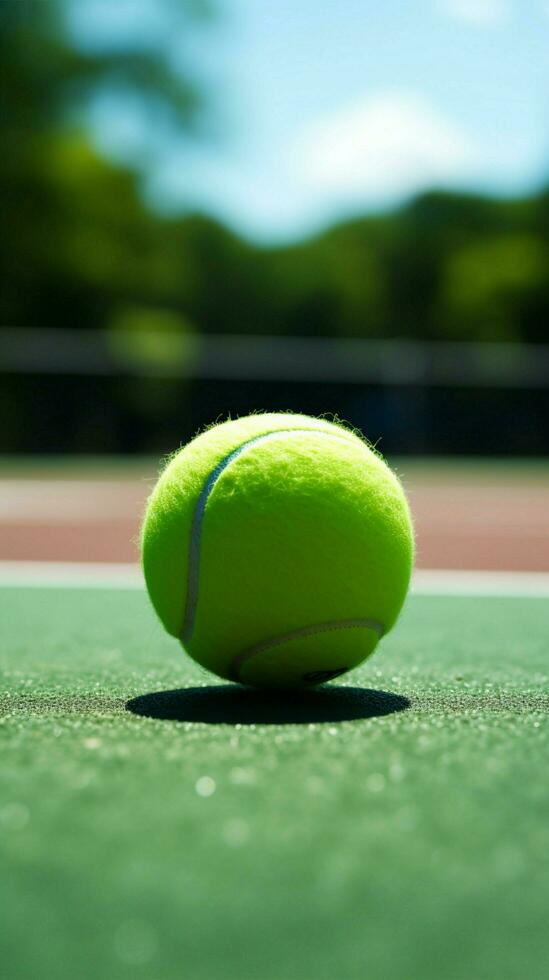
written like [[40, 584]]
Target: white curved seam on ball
[[193, 565], [303, 632]]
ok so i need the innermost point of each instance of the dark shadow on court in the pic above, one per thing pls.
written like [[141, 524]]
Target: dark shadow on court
[[229, 705]]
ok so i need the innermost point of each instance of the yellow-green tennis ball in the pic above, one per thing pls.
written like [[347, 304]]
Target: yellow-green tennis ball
[[278, 549]]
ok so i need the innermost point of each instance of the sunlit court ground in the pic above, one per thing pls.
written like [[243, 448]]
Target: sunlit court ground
[[157, 823]]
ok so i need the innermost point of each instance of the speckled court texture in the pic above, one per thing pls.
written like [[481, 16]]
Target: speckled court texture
[[155, 824]]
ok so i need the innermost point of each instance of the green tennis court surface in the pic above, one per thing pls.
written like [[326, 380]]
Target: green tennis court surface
[[395, 827]]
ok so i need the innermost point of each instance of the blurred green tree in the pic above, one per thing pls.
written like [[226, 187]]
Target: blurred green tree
[[75, 228], [81, 248], [490, 288]]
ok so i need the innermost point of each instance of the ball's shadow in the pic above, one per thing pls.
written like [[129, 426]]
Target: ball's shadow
[[231, 705]]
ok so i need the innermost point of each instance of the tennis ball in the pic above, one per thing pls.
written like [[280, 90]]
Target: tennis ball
[[278, 548]]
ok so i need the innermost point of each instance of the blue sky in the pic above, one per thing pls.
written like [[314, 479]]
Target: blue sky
[[327, 108]]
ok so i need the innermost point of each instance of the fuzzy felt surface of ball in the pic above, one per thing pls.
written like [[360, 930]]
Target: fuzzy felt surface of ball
[[278, 549]]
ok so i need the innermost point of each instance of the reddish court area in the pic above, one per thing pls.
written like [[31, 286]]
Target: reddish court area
[[477, 517]]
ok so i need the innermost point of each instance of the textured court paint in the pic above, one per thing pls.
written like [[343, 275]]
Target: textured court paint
[[198, 519], [344, 838]]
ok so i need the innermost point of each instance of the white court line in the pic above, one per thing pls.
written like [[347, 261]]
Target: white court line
[[427, 581], [90, 575], [68, 574]]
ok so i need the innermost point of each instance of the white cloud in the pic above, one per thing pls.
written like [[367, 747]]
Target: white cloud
[[386, 146], [481, 12]]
